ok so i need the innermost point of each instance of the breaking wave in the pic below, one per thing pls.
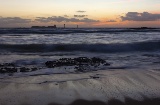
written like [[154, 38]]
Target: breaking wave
[[107, 48]]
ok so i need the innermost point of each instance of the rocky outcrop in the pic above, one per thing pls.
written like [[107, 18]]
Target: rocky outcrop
[[80, 64], [11, 68]]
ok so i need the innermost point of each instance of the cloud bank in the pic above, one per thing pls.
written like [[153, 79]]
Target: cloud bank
[[13, 20], [19, 20], [111, 21], [80, 16], [63, 19], [145, 16], [80, 11]]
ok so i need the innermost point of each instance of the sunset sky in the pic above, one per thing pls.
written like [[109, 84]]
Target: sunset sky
[[85, 13]]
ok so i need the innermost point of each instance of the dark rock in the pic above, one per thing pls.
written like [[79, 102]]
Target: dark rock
[[2, 70], [82, 60], [81, 63], [98, 60], [7, 64], [34, 69], [24, 69], [49, 64], [95, 77], [107, 64], [8, 70]]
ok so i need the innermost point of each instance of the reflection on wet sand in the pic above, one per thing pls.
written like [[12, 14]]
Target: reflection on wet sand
[[128, 101], [115, 87]]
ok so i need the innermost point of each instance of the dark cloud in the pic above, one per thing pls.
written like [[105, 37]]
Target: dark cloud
[[50, 19], [111, 21], [80, 11], [66, 16], [11, 20], [63, 19], [145, 16], [80, 16], [89, 20], [18, 20]]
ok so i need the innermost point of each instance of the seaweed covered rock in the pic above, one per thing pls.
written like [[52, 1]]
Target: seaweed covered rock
[[7, 68], [81, 63], [7, 64], [11, 68]]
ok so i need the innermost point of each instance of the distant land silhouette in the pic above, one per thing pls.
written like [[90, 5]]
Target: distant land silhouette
[[144, 28], [44, 26]]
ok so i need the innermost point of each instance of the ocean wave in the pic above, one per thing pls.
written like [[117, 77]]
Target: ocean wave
[[107, 48], [73, 30]]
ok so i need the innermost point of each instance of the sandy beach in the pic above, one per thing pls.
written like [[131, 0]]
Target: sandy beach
[[79, 52], [104, 86]]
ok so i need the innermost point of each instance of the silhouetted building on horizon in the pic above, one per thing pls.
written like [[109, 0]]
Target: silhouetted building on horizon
[[44, 26], [52, 26]]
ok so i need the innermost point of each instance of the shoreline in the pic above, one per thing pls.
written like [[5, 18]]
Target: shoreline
[[130, 86]]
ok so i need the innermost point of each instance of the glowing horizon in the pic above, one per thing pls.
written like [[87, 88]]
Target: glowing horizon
[[86, 13]]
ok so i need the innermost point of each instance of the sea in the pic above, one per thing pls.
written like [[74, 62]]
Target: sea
[[122, 48]]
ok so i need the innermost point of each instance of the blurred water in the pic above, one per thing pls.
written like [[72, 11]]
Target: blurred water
[[122, 48], [77, 38]]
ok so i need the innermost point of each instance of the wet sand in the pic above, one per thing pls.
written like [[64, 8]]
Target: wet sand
[[113, 87]]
